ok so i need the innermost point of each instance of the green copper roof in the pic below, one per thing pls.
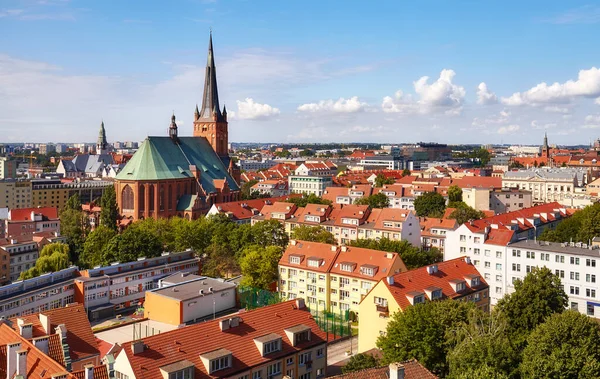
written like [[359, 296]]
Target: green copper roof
[[186, 202], [159, 158]]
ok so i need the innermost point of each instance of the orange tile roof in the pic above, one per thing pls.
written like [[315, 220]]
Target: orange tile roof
[[379, 216], [419, 279], [428, 223], [412, 370], [278, 207], [80, 338], [192, 341], [360, 212], [242, 210], [360, 258], [24, 214], [305, 250], [100, 372], [39, 365], [331, 193], [479, 182]]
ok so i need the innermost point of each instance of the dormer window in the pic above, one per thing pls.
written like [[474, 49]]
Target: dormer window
[[475, 282], [216, 360], [302, 337], [348, 267], [296, 259], [314, 262], [298, 334], [178, 370], [437, 294], [220, 363], [418, 299], [272, 346], [369, 270]]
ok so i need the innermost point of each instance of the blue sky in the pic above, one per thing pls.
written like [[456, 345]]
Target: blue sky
[[306, 71]]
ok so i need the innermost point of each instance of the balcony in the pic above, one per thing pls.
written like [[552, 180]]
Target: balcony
[[382, 308]]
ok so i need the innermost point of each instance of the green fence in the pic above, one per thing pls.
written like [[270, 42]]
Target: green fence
[[252, 298], [335, 324]]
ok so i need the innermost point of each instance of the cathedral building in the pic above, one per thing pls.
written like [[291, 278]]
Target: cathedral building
[[182, 176]]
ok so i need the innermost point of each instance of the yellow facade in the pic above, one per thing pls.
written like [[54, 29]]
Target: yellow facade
[[347, 292], [163, 309], [50, 197], [15, 194], [375, 317]]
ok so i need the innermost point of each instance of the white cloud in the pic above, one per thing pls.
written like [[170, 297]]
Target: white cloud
[[485, 96], [441, 95], [536, 125], [591, 126], [501, 118], [586, 85], [341, 105], [556, 109], [509, 129], [250, 110]]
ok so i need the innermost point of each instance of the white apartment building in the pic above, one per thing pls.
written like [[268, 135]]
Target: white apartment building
[[253, 165], [309, 184], [47, 291], [316, 168], [22, 257], [546, 184], [400, 196], [486, 241]]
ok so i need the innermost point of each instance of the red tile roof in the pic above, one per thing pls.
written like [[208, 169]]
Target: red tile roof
[[192, 341], [331, 193], [278, 207], [80, 338], [100, 372], [305, 250], [412, 370], [24, 214], [360, 258], [419, 279], [243, 210], [428, 223], [39, 365]]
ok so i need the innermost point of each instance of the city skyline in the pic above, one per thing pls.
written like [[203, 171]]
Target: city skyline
[[303, 72]]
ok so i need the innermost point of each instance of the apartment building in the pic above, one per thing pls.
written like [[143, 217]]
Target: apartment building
[[241, 212], [185, 298], [8, 168], [316, 168], [546, 184], [333, 278], [485, 241], [455, 279], [15, 194], [309, 184], [347, 196], [254, 165], [273, 188], [269, 342], [22, 256], [107, 290], [279, 210], [54, 193], [434, 230], [400, 196], [45, 292], [28, 221]]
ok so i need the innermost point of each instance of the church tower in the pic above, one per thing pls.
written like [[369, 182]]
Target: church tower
[[545, 148], [102, 145], [209, 121]]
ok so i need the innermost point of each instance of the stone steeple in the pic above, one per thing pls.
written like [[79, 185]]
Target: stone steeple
[[102, 145], [210, 109]]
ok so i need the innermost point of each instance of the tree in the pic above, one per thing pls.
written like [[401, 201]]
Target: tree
[[313, 234], [269, 233], [306, 153], [73, 226], [73, 203], [405, 172], [53, 257], [109, 214], [359, 362], [219, 262], [259, 266], [378, 200], [420, 331], [535, 298], [310, 199], [582, 226], [464, 213], [483, 342], [137, 241], [94, 246], [566, 346], [454, 194], [590, 224], [247, 189], [430, 204], [481, 372], [381, 180]]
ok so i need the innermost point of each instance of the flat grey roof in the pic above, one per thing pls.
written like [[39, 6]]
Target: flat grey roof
[[191, 289], [555, 247]]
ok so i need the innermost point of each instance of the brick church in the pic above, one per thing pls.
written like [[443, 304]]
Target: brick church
[[182, 176]]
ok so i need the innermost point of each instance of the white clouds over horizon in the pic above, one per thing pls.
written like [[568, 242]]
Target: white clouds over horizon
[[485, 96], [341, 105], [250, 110]]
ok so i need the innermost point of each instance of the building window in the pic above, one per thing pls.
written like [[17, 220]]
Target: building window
[[499, 266], [590, 310], [516, 253], [560, 273], [531, 254], [220, 363], [271, 346], [257, 374], [574, 306], [186, 373], [574, 290], [574, 261], [274, 369], [589, 292], [590, 278], [574, 275], [590, 262]]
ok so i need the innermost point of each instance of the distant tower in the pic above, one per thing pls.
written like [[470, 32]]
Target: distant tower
[[102, 145], [209, 121], [173, 129], [545, 149]]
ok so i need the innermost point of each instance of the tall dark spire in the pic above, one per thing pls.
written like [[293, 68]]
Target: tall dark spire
[[210, 100], [101, 145]]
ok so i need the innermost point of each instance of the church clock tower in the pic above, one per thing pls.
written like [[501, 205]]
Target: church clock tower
[[209, 121]]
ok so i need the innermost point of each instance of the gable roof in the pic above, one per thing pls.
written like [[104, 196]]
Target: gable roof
[[417, 280], [242, 210], [100, 372], [80, 338], [360, 258], [412, 370], [304, 249], [159, 158], [190, 342], [24, 214]]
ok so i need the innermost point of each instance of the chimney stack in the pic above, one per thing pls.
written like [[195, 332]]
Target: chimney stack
[[22, 363], [300, 303], [137, 347], [390, 280], [45, 321], [89, 371], [26, 330], [41, 343], [396, 371], [11, 358]]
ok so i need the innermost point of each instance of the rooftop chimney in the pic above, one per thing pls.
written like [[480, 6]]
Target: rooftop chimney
[[333, 248], [62, 330], [390, 280], [22, 363], [45, 321], [224, 324], [89, 371], [432, 269], [396, 371], [11, 358], [41, 343], [26, 330], [137, 347], [300, 303], [293, 242]]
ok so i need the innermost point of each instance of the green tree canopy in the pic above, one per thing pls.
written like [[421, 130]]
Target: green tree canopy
[[359, 362], [582, 226], [534, 299], [406, 172], [430, 204], [454, 193], [378, 200], [412, 256], [269, 233], [464, 213], [420, 331], [310, 199], [109, 215], [566, 346], [73, 203], [53, 257], [135, 242], [94, 246], [480, 372], [259, 265], [381, 180], [219, 261], [313, 234], [73, 226]]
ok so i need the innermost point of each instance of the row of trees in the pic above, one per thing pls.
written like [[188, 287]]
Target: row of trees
[[529, 334]]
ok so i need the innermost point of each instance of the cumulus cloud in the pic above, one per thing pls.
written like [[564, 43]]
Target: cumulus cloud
[[250, 110], [556, 109], [509, 129], [485, 96], [341, 105], [441, 95], [586, 85]]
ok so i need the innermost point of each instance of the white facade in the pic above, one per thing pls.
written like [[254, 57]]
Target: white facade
[[252, 165], [546, 184], [22, 257], [307, 184]]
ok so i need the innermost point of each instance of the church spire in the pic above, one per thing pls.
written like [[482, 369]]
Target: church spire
[[210, 99], [102, 145]]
